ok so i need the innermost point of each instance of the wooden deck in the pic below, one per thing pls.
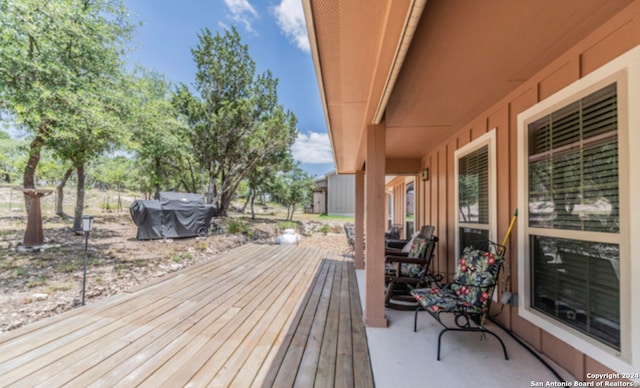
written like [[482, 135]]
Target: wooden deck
[[259, 315]]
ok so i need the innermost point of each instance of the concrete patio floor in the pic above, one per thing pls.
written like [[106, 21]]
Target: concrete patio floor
[[402, 358]]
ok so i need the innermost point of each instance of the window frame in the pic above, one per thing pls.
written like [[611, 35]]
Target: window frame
[[624, 71], [488, 139]]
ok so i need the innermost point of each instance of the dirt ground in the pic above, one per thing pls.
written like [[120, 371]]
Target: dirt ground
[[39, 284]]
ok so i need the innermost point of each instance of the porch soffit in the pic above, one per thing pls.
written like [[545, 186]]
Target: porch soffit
[[354, 45], [464, 57]]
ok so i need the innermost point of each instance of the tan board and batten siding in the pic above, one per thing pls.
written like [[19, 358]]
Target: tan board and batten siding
[[618, 35]]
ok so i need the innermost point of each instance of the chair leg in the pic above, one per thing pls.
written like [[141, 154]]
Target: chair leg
[[415, 320], [440, 341], [504, 348]]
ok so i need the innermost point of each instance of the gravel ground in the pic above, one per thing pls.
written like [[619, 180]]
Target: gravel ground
[[36, 285]]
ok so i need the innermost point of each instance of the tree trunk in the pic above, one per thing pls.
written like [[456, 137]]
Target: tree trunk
[[290, 210], [77, 216], [60, 194], [253, 199], [224, 203], [211, 190], [157, 175], [28, 178], [246, 203], [119, 199]]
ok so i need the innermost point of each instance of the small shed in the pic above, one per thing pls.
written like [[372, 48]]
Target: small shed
[[335, 195]]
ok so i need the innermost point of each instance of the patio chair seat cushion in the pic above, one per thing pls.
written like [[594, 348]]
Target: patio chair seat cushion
[[477, 268], [475, 276], [436, 299], [418, 248]]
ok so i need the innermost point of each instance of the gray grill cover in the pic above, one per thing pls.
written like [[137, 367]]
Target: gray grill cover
[[171, 215]]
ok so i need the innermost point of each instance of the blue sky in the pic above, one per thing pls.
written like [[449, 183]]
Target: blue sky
[[276, 35]]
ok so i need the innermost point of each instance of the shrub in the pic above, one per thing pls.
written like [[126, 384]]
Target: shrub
[[239, 227], [287, 225]]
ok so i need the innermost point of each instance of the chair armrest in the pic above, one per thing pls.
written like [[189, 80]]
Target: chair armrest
[[404, 259], [395, 244], [395, 252]]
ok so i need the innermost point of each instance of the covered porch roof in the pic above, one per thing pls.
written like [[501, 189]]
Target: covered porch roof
[[427, 68]]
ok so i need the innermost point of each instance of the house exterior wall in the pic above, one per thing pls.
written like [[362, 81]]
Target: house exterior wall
[[341, 195], [435, 197], [399, 215]]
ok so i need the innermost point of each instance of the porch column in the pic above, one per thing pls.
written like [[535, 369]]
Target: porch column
[[359, 251], [375, 226]]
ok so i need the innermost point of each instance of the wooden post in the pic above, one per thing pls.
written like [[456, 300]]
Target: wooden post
[[359, 249], [375, 225]]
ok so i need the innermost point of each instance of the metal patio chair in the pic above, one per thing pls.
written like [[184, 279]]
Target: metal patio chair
[[469, 296], [404, 273]]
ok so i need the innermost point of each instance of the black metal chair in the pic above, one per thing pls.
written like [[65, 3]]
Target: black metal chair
[[469, 296], [405, 273]]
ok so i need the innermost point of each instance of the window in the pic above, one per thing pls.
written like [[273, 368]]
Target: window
[[573, 185], [475, 192], [577, 257], [410, 210], [390, 202]]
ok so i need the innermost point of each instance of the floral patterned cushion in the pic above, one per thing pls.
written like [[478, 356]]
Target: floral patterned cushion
[[475, 277], [418, 248]]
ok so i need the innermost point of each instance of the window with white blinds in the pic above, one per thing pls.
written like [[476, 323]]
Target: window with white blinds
[[573, 188], [475, 192]]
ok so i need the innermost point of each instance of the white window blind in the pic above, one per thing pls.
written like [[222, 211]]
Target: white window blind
[[473, 197], [574, 186]]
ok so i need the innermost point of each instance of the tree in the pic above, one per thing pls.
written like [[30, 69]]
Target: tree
[[260, 178], [53, 169], [114, 172], [235, 120], [95, 127], [57, 59], [159, 139], [12, 154], [292, 188]]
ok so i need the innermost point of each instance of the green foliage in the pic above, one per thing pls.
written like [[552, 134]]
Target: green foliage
[[12, 158], [65, 287], [20, 272], [287, 225], [292, 188], [61, 77], [236, 125], [114, 172], [324, 229], [158, 139], [236, 226], [67, 267], [58, 59], [38, 281]]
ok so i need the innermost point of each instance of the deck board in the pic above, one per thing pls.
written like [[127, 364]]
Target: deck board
[[258, 315]]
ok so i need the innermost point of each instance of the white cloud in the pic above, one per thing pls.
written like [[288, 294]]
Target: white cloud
[[242, 12], [312, 148], [290, 18]]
